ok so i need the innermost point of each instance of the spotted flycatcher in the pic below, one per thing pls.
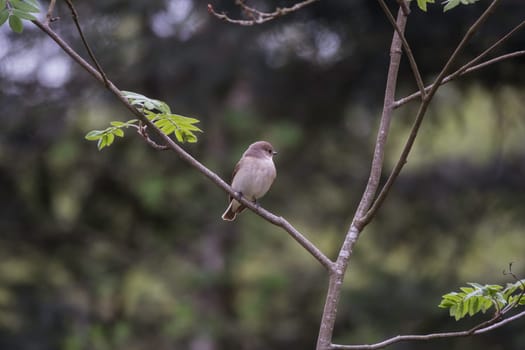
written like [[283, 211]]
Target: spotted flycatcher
[[252, 177]]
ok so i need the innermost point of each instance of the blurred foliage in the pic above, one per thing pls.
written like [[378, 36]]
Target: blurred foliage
[[125, 249]]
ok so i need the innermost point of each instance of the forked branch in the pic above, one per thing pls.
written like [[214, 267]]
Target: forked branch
[[421, 113], [406, 46], [257, 16], [471, 66]]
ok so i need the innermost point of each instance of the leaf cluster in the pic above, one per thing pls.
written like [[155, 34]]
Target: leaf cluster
[[155, 110], [15, 11], [449, 4], [480, 298], [106, 137]]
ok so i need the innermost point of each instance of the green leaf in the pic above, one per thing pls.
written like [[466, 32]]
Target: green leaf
[[473, 306], [33, 2], [117, 123], [109, 139], [467, 289], [4, 15], [149, 105], [146, 102], [422, 4], [23, 15], [101, 142], [450, 4], [16, 24], [118, 132], [94, 135], [486, 304], [24, 6], [190, 137], [476, 298]]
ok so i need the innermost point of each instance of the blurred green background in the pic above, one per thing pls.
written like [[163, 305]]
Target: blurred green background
[[125, 248]]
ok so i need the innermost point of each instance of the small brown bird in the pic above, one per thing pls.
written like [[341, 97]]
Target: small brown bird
[[252, 177]]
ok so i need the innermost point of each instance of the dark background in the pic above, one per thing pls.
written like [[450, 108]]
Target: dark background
[[125, 249]]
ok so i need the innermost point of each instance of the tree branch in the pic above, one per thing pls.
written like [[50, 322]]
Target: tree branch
[[49, 14], [336, 278], [258, 16], [142, 131], [420, 115], [470, 66], [406, 46], [74, 13], [405, 338], [276, 220]]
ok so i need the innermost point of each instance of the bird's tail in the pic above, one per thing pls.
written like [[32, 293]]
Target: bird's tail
[[229, 214]]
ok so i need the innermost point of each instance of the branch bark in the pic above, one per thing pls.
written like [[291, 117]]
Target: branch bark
[[74, 13], [406, 338], [421, 114], [257, 16], [186, 157], [406, 46], [471, 65], [367, 206], [335, 284]]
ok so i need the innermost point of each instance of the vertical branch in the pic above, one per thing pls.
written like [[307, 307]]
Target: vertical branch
[[406, 46], [337, 275], [421, 113]]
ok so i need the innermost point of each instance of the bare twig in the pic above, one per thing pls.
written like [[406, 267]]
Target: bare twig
[[406, 46], [518, 299], [470, 66], [420, 115], [49, 14], [276, 220], [142, 131], [258, 16], [405, 338], [74, 13]]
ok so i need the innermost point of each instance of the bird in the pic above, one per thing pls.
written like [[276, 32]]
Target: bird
[[252, 176]]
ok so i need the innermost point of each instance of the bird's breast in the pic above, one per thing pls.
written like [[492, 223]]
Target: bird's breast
[[254, 177]]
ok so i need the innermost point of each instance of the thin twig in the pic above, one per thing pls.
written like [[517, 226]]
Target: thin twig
[[518, 299], [491, 47], [420, 115], [406, 46], [142, 131], [453, 76], [74, 13], [405, 338], [276, 220], [258, 16], [469, 66], [50, 9]]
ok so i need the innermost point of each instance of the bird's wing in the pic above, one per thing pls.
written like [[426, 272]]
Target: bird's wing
[[235, 172]]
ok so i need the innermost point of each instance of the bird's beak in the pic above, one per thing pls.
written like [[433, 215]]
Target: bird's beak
[[274, 153]]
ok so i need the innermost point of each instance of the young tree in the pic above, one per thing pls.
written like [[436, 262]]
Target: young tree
[[155, 116]]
